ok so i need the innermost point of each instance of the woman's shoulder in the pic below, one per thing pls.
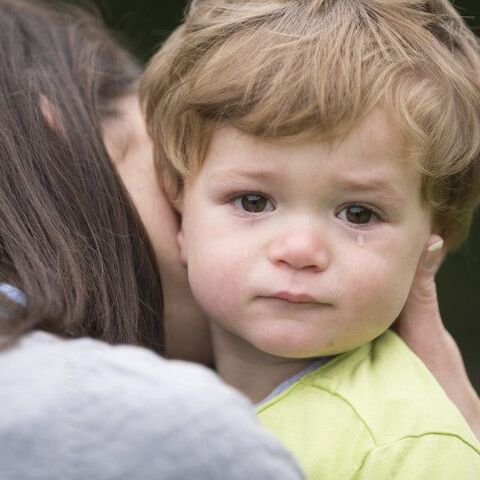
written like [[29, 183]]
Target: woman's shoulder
[[100, 366], [85, 371], [124, 412]]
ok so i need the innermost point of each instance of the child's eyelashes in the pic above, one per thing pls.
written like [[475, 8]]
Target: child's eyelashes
[[354, 214], [253, 203], [357, 214]]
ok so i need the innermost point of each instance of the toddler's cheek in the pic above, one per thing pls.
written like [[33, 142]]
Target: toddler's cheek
[[215, 287], [380, 294]]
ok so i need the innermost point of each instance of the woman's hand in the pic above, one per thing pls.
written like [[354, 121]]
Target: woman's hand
[[421, 327]]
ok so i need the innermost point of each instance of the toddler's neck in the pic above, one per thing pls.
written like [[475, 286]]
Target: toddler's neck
[[255, 373]]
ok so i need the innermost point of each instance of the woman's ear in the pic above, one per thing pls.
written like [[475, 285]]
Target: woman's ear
[[50, 114]]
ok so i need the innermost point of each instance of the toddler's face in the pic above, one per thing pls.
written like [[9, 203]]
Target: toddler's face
[[304, 249]]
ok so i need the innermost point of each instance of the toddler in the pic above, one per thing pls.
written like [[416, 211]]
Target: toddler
[[313, 148]]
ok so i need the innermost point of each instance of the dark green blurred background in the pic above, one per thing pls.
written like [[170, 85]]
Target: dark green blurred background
[[146, 23]]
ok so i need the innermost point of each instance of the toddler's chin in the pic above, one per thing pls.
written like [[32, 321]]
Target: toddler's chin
[[303, 344], [288, 345]]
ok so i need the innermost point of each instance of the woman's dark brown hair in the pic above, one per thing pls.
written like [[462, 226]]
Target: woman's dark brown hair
[[70, 238]]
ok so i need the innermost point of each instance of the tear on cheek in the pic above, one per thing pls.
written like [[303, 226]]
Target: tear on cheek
[[360, 240]]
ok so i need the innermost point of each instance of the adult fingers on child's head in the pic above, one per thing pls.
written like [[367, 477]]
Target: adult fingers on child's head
[[423, 287], [433, 257], [421, 308]]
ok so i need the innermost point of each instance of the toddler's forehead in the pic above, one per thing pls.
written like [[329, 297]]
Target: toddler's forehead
[[379, 132], [374, 146]]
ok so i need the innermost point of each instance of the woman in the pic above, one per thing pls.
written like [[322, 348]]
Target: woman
[[86, 264], [76, 262], [59, 57]]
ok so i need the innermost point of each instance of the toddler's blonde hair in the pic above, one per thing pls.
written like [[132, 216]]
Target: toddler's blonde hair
[[315, 69]]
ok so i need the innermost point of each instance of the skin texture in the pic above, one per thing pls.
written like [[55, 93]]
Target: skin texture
[[129, 146], [300, 278]]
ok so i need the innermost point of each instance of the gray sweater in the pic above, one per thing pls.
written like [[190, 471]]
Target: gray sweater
[[81, 409]]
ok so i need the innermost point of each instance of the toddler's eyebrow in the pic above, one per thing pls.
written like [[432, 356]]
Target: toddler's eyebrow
[[377, 186], [232, 176]]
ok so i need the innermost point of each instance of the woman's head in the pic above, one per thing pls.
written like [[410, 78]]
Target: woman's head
[[70, 238]]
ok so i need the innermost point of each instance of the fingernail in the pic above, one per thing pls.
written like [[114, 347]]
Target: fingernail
[[435, 246], [432, 259]]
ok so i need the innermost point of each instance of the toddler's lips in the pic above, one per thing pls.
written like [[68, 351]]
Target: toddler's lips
[[295, 297]]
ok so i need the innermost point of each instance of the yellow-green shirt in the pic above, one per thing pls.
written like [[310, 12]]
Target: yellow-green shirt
[[373, 413]]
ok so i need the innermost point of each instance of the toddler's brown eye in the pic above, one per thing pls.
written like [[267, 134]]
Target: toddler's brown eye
[[254, 203], [358, 215]]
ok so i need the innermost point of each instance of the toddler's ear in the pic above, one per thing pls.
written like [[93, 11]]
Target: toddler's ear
[[174, 192], [172, 189]]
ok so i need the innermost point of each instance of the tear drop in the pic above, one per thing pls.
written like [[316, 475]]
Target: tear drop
[[361, 240]]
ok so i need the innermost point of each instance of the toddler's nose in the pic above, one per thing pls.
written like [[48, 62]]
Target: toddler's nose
[[300, 249]]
